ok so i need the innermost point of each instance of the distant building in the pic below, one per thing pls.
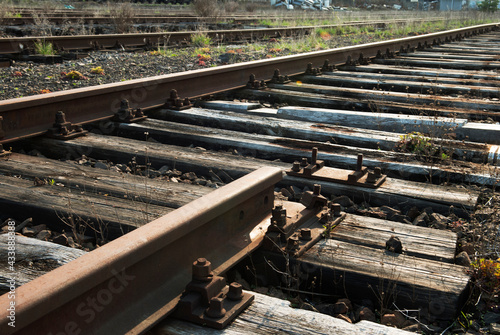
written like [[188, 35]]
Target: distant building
[[450, 5], [443, 5]]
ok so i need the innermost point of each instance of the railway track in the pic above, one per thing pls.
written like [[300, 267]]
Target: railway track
[[240, 126], [18, 45], [142, 19], [16, 21]]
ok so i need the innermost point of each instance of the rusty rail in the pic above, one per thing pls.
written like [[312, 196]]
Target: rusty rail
[[129, 284], [30, 116], [104, 41]]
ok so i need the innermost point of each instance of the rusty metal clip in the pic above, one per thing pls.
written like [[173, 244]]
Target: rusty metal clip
[[278, 78], [208, 301], [314, 199], [175, 102], [303, 227], [313, 71], [64, 130], [327, 67], [316, 170], [255, 84], [127, 114]]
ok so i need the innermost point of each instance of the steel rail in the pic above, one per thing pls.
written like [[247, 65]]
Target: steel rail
[[134, 20], [33, 115], [129, 284], [88, 42]]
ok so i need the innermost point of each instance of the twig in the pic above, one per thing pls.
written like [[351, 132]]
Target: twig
[[444, 331], [411, 317], [276, 269], [478, 299]]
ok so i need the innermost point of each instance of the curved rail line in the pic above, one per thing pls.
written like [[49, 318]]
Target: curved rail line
[[34, 115]]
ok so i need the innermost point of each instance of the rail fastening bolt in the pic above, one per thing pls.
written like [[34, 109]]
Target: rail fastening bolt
[[305, 234], [216, 309], [316, 189], [279, 215], [336, 210], [359, 165], [235, 291], [314, 155], [60, 117], [202, 270], [292, 243]]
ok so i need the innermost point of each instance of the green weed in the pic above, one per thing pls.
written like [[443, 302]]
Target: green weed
[[44, 48], [200, 39]]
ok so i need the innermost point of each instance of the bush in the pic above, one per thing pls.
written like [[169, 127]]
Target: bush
[[207, 8], [231, 7], [488, 5], [122, 15], [486, 273], [250, 7]]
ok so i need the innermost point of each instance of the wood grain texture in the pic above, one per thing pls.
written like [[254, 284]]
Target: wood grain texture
[[417, 241], [113, 215], [437, 288], [392, 192], [33, 259], [99, 181], [268, 315]]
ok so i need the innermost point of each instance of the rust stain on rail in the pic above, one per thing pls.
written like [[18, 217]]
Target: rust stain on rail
[[129, 284]]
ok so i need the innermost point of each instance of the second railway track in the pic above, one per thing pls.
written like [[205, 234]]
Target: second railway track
[[351, 111]]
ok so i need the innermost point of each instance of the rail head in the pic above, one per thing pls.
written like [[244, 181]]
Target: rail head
[[129, 284]]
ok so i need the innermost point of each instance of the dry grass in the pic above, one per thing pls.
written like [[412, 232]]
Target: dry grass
[[123, 16], [207, 8]]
